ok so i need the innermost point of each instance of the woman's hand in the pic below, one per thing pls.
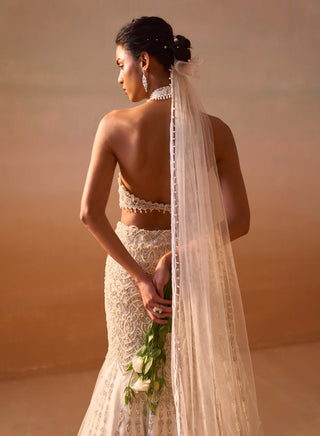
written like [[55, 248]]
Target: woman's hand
[[162, 272], [151, 299]]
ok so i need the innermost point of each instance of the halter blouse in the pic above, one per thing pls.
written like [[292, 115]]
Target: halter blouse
[[131, 202]]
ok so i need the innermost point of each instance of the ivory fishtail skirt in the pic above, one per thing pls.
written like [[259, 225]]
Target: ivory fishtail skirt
[[127, 324]]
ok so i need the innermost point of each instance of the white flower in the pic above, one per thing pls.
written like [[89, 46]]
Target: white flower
[[137, 363], [141, 385]]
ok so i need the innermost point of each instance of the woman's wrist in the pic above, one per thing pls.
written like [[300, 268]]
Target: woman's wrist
[[141, 277]]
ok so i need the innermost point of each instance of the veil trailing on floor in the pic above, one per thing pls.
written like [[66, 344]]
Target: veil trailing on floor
[[212, 375]]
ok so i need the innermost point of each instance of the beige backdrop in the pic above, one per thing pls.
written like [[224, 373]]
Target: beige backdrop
[[58, 78]]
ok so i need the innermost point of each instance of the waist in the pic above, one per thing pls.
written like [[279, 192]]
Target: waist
[[132, 228], [135, 238]]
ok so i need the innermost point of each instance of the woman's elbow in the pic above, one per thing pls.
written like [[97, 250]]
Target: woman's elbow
[[84, 216], [88, 216], [245, 227], [239, 228]]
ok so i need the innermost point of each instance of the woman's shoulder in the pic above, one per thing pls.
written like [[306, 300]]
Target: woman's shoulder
[[118, 122], [224, 143], [118, 127], [120, 116], [219, 125]]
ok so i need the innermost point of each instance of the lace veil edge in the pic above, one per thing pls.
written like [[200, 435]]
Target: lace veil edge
[[212, 374]]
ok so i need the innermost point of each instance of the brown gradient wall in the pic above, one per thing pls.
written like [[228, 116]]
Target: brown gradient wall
[[58, 78]]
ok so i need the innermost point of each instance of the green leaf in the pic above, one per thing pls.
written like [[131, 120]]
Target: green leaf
[[133, 392], [141, 351], [126, 400], [162, 339], [155, 328], [148, 365], [130, 368], [156, 352]]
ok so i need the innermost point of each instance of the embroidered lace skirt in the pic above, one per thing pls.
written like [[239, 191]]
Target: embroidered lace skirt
[[127, 323]]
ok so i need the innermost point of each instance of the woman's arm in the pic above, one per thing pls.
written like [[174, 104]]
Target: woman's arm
[[92, 213], [95, 196], [231, 180]]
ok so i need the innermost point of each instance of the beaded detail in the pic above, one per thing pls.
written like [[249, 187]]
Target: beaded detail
[[162, 93], [131, 202]]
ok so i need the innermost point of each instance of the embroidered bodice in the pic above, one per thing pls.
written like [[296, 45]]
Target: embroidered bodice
[[131, 202]]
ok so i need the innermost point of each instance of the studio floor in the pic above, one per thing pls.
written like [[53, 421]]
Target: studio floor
[[287, 382]]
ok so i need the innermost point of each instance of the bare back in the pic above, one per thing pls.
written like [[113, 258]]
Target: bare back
[[141, 147], [138, 139], [142, 151]]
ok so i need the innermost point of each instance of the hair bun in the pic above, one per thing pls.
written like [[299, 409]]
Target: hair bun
[[182, 48], [155, 36]]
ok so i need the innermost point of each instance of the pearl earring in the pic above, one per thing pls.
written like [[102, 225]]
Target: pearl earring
[[144, 80]]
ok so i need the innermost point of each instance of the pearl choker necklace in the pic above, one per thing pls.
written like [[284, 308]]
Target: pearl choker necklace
[[161, 93]]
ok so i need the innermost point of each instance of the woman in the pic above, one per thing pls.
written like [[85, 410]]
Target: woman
[[178, 194]]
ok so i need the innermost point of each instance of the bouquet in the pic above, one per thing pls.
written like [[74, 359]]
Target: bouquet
[[147, 366]]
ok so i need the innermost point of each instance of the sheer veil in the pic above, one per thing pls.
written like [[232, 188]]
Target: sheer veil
[[212, 375]]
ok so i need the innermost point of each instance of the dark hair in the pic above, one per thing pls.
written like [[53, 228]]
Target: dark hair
[[155, 36]]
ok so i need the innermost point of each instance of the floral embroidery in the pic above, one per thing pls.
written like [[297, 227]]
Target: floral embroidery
[[129, 201], [127, 323]]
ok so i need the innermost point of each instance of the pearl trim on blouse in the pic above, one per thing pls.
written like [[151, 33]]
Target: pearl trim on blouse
[[131, 202]]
